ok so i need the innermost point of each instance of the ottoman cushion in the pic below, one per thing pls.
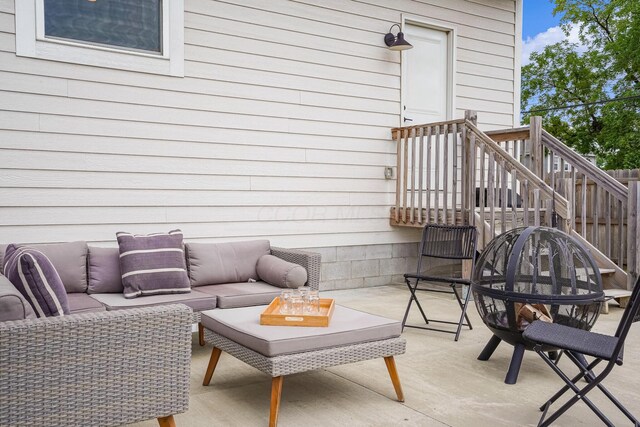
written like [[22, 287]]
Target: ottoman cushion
[[198, 301], [347, 326], [233, 295]]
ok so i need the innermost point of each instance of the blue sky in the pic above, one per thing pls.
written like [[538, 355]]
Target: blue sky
[[540, 28], [537, 17]]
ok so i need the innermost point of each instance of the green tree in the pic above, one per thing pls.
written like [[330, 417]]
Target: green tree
[[604, 65]]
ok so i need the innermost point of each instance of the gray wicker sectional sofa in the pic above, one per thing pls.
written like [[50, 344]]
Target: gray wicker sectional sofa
[[114, 360]]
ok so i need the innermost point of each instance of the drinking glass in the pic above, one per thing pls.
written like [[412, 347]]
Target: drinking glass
[[285, 301], [313, 302], [297, 303]]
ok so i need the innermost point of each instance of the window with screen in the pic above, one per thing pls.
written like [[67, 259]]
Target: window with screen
[[134, 35], [127, 24]]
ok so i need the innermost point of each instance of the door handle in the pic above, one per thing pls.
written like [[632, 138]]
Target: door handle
[[407, 119]]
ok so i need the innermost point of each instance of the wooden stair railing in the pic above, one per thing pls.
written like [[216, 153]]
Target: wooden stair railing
[[510, 191], [452, 173], [600, 203], [429, 174]]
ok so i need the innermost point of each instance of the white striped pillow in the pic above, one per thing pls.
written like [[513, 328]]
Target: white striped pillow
[[152, 264], [36, 278]]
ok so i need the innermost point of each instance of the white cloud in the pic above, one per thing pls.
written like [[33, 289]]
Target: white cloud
[[551, 36]]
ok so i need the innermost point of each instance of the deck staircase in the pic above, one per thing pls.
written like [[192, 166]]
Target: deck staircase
[[454, 173]]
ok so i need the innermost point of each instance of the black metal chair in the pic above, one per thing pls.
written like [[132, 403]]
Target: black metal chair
[[444, 242], [576, 344]]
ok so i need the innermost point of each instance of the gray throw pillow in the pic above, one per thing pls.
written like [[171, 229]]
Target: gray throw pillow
[[281, 273], [152, 264], [36, 278], [104, 270], [232, 262], [70, 261]]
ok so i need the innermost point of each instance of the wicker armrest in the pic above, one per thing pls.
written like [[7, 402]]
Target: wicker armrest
[[309, 260], [106, 368]]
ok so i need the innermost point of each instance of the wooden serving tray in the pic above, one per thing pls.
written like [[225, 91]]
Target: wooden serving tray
[[271, 315]]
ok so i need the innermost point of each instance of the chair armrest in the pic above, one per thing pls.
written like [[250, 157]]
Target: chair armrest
[[106, 368], [309, 260]]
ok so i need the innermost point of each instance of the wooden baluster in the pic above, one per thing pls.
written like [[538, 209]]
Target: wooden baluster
[[420, 175], [437, 174], [466, 170], [621, 245], [454, 202], [503, 205], [536, 207], [429, 170], [573, 198], [471, 187], [413, 176], [514, 199], [525, 202], [584, 206], [445, 174], [535, 138], [405, 175], [562, 176], [481, 190], [548, 212], [398, 173], [607, 229], [633, 233], [491, 196], [552, 170], [596, 220]]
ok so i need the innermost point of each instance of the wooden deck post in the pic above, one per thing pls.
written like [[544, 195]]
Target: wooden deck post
[[633, 234], [468, 165], [535, 146]]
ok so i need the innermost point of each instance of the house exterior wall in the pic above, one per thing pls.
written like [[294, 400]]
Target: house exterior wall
[[280, 127]]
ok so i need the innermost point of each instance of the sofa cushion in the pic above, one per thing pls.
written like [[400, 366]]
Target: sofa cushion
[[232, 295], [198, 301], [83, 303], [281, 273], [152, 264], [13, 306], [3, 248], [347, 327], [36, 278], [104, 270], [214, 263], [70, 261]]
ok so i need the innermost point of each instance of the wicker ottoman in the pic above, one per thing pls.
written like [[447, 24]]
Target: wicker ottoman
[[352, 336]]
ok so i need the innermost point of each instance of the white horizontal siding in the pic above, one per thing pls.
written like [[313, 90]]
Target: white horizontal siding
[[280, 128]]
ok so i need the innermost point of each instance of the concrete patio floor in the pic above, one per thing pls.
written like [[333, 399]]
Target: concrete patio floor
[[444, 384]]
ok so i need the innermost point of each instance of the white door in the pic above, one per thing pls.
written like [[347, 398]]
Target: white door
[[426, 76], [426, 97]]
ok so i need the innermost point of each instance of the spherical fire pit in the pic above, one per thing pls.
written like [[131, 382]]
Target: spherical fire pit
[[534, 273]]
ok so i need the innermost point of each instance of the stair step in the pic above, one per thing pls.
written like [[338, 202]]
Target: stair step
[[607, 271], [622, 297]]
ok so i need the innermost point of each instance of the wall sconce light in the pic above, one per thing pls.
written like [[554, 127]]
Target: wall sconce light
[[396, 42]]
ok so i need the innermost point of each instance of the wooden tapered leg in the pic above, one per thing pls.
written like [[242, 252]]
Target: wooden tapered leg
[[393, 373], [276, 392], [200, 334], [213, 361], [166, 421]]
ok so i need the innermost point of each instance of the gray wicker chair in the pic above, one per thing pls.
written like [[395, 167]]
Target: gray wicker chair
[[96, 369], [576, 344]]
